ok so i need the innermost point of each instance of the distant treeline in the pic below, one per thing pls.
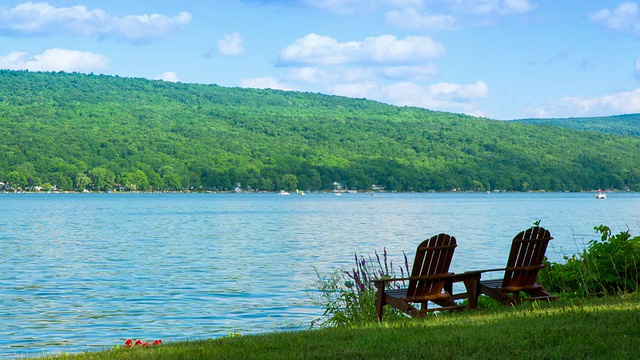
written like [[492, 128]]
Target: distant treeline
[[75, 132], [628, 124]]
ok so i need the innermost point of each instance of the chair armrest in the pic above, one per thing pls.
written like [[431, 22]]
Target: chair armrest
[[378, 282], [526, 268], [481, 271], [386, 280]]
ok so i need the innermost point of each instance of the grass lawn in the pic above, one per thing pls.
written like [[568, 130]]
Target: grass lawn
[[607, 328]]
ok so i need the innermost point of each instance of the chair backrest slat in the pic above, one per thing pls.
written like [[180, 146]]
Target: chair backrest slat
[[433, 257], [525, 258]]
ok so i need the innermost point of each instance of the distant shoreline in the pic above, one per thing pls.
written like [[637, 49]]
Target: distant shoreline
[[315, 192]]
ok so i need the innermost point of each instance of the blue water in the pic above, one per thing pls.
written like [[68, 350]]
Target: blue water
[[87, 271]]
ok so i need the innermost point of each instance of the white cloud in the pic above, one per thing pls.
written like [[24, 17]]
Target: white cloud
[[478, 7], [457, 91], [489, 7], [413, 73], [620, 103], [404, 3], [369, 90], [624, 18], [341, 6], [443, 97], [435, 97], [41, 19], [55, 59], [516, 6], [169, 76], [267, 82], [385, 49], [231, 45], [317, 49], [451, 14], [310, 75], [410, 18]]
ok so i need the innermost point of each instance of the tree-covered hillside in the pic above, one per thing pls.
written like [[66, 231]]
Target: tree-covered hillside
[[84, 131], [619, 124]]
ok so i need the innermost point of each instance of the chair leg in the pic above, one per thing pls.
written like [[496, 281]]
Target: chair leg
[[516, 297], [498, 295], [410, 309], [379, 303], [540, 293], [424, 305]]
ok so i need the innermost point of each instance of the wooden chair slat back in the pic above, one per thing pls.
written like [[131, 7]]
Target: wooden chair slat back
[[433, 257], [525, 258]]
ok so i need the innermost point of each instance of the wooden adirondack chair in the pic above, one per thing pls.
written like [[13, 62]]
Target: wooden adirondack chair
[[525, 260], [428, 277]]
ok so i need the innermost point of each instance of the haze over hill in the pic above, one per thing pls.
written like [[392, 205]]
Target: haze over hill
[[78, 131]]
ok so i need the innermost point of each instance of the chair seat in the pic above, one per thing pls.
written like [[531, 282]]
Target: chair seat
[[402, 294], [494, 283], [497, 284]]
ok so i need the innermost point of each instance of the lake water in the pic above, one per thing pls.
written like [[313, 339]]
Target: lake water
[[87, 271]]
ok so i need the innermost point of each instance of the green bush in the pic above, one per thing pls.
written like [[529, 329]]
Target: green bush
[[348, 297], [608, 266]]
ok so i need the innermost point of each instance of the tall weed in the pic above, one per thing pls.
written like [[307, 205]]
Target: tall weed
[[348, 296]]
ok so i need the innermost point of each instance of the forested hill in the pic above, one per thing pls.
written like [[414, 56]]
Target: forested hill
[[84, 131], [619, 124]]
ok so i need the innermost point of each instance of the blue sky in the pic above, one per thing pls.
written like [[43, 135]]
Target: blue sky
[[501, 59]]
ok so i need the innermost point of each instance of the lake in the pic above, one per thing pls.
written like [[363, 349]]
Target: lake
[[87, 271]]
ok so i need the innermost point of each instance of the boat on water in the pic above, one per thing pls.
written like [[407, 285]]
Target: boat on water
[[601, 195], [283, 192]]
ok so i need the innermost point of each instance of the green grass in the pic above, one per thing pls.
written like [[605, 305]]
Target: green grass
[[606, 328]]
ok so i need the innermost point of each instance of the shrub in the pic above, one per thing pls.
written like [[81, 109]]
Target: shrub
[[348, 297], [608, 266]]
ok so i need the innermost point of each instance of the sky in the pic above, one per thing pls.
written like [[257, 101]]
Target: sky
[[500, 59]]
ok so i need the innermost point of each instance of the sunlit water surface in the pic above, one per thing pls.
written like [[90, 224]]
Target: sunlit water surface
[[85, 272]]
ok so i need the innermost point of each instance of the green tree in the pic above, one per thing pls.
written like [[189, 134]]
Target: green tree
[[170, 178], [290, 182], [17, 179], [82, 181], [172, 181], [140, 180], [126, 180], [266, 184], [102, 179]]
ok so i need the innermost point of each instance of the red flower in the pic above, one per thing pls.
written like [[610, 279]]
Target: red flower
[[131, 343]]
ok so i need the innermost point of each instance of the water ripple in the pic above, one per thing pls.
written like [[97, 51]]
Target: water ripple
[[85, 272]]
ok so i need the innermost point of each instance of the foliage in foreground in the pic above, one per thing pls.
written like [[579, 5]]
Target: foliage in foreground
[[604, 328], [348, 297], [607, 266]]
